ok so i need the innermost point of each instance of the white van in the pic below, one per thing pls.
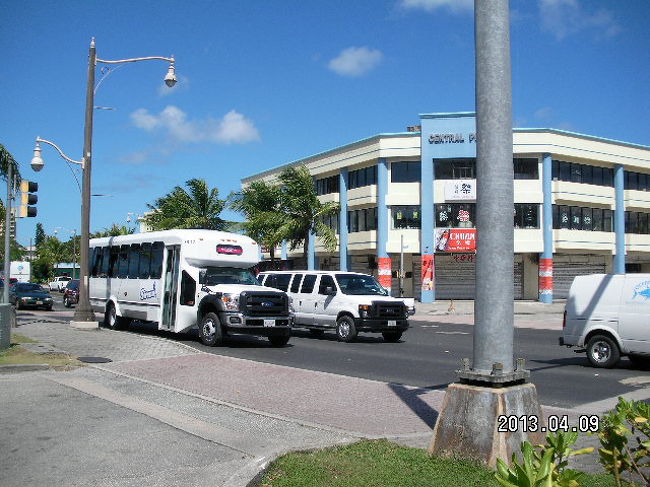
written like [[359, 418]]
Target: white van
[[347, 302], [609, 316]]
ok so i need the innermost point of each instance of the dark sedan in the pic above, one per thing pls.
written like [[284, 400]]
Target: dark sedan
[[30, 295]]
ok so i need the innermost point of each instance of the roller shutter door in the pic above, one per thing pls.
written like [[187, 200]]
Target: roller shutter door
[[456, 278], [565, 272]]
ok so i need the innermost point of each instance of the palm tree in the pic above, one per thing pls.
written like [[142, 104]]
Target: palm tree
[[261, 204], [113, 231], [303, 211], [6, 159], [198, 208]]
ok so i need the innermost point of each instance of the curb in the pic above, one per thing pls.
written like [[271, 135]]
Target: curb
[[15, 368]]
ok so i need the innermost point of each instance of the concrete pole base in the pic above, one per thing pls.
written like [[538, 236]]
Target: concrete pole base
[[468, 424], [85, 325]]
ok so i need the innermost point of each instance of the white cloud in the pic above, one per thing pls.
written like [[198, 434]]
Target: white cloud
[[455, 6], [233, 128], [565, 17], [355, 61]]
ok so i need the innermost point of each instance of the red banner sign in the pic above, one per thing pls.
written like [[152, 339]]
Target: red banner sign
[[455, 239]]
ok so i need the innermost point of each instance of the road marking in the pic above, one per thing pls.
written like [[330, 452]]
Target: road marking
[[636, 381], [429, 326], [452, 333]]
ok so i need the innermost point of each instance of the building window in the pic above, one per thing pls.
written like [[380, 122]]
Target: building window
[[406, 216], [636, 222], [455, 215], [526, 215], [582, 218], [362, 220], [405, 172], [636, 180], [526, 168], [366, 176], [462, 168], [582, 173], [332, 221], [327, 185]]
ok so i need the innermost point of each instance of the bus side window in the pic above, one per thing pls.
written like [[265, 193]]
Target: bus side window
[[145, 260], [114, 262], [96, 261], [188, 289], [156, 260], [123, 266], [103, 270], [134, 261]]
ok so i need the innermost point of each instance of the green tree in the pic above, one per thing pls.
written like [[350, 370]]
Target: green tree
[[197, 207], [113, 231], [261, 205], [303, 211], [51, 252], [39, 238]]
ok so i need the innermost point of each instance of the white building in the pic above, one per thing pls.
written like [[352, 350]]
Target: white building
[[419, 188]]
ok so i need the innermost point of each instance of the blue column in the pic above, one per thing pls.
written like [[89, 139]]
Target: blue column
[[427, 226], [382, 209], [619, 219], [283, 255], [546, 258], [343, 220], [311, 252]]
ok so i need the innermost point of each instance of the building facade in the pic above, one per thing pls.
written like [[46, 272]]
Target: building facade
[[408, 205]]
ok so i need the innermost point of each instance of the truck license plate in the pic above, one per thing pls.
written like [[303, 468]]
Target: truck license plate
[[269, 323], [39, 302], [392, 323]]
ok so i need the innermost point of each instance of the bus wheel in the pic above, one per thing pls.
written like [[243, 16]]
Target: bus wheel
[[111, 320], [279, 341], [210, 330]]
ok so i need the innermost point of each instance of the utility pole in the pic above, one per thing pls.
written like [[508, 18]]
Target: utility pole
[[491, 385]]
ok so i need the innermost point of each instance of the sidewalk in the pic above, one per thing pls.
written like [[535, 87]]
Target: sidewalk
[[252, 411]]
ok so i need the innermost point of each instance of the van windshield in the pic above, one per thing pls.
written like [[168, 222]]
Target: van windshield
[[359, 284], [228, 275]]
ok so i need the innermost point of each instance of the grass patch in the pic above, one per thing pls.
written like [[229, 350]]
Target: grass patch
[[16, 354], [18, 338], [380, 463]]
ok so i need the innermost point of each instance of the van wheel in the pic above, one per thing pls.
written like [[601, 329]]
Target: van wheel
[[279, 341], [210, 330], [392, 336], [111, 320], [603, 352], [345, 329]]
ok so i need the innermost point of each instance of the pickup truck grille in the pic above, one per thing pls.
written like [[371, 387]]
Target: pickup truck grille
[[261, 303], [385, 310]]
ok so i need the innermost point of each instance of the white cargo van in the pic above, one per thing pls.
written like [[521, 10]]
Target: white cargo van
[[609, 316], [347, 302]]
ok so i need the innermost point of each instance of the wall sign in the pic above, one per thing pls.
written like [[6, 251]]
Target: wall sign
[[452, 138], [461, 189], [455, 239]]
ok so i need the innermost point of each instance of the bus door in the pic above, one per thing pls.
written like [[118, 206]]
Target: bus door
[[170, 285]]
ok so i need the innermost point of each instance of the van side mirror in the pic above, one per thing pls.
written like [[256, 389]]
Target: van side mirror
[[330, 291]]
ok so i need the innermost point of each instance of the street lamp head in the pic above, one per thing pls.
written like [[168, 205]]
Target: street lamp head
[[37, 161], [170, 77]]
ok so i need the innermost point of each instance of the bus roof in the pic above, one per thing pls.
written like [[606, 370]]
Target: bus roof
[[176, 236]]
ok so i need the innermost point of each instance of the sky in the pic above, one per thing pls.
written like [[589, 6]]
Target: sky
[[266, 82]]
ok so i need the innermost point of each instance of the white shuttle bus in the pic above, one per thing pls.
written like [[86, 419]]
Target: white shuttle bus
[[183, 279]]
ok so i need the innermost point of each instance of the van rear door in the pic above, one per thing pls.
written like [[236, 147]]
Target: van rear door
[[634, 324]]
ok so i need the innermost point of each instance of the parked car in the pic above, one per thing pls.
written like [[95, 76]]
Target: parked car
[[346, 302], [607, 316], [12, 281], [59, 283], [30, 294], [71, 293]]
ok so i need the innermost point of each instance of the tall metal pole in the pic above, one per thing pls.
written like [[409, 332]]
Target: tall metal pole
[[7, 269], [494, 306], [83, 311]]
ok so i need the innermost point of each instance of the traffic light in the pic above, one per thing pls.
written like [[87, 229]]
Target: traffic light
[[28, 198]]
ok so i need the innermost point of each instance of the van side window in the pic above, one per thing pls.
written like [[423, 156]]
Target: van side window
[[123, 266], [308, 283], [155, 269], [295, 284], [270, 280], [325, 282], [282, 281], [134, 261]]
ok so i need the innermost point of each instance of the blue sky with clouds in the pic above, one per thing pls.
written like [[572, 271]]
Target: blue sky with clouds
[[265, 82]]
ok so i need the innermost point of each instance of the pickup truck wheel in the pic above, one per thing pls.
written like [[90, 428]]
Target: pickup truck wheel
[[345, 329], [392, 336], [279, 341], [210, 330], [603, 352]]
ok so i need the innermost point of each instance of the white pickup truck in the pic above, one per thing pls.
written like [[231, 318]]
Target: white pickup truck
[[59, 283]]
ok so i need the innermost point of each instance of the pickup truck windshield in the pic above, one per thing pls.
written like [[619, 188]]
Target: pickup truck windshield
[[228, 275], [361, 285]]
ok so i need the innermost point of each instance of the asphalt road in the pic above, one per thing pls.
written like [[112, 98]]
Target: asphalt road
[[427, 356]]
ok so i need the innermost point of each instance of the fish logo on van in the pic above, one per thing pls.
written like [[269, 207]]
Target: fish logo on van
[[642, 291]]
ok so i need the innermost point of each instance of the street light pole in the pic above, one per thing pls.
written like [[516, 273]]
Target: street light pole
[[83, 311]]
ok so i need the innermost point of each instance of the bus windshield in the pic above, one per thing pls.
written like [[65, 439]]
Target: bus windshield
[[360, 284], [229, 275]]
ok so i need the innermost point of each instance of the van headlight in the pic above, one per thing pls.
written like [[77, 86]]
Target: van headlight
[[364, 310], [230, 301]]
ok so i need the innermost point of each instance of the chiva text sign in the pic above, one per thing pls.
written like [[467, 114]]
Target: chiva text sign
[[455, 239]]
